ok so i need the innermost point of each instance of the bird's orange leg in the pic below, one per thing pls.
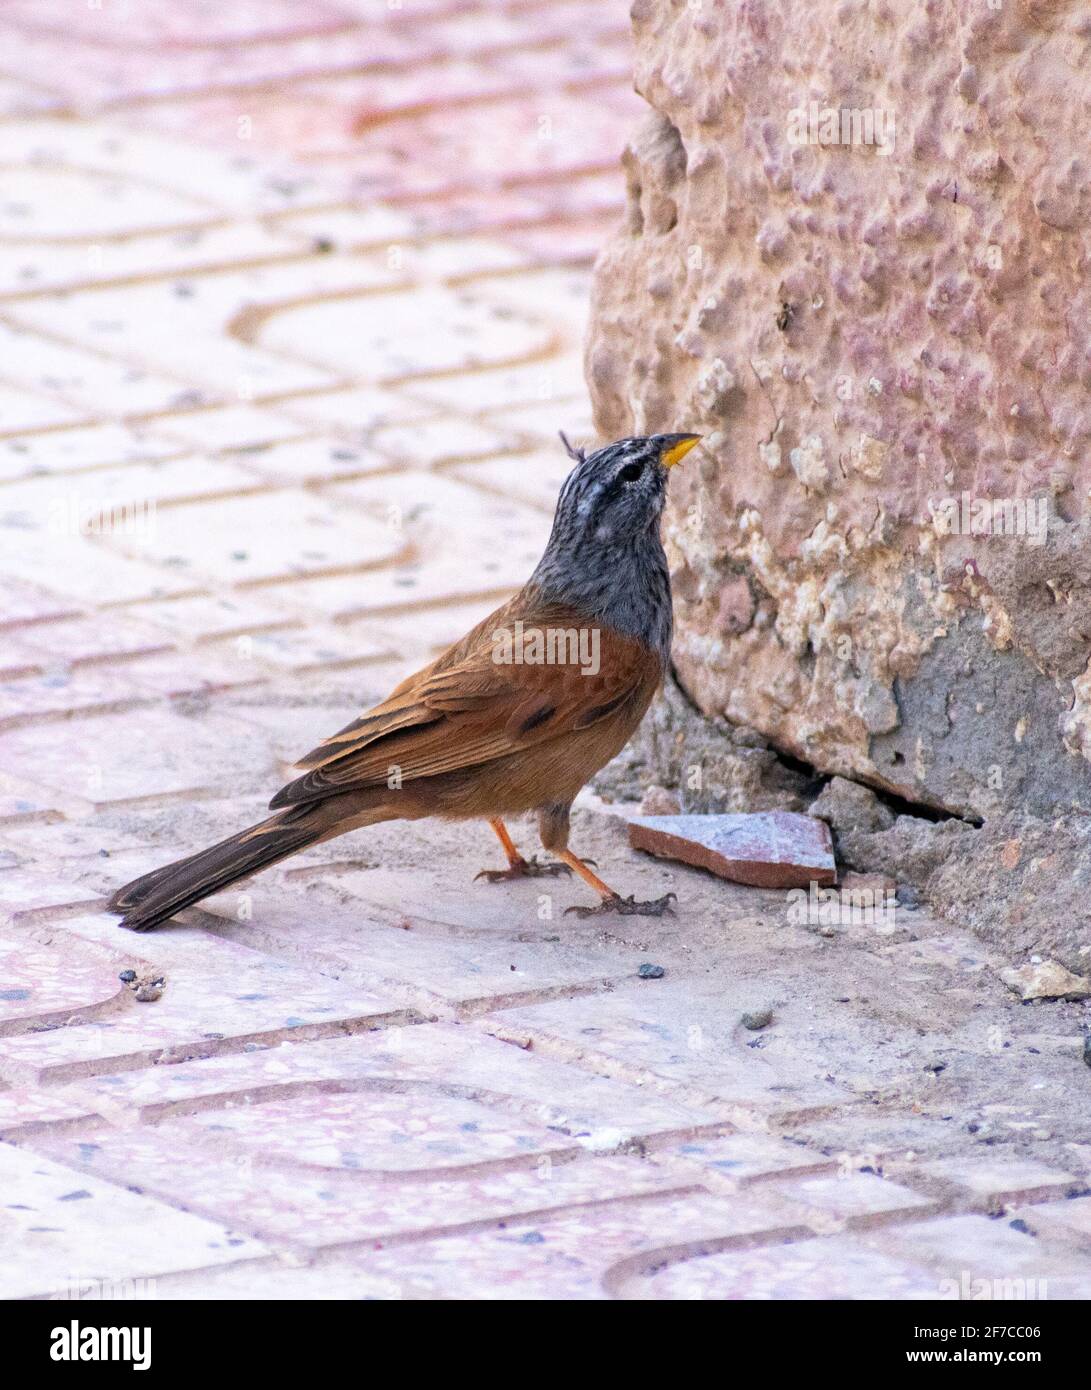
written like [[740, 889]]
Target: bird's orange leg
[[574, 862], [611, 901], [513, 855], [518, 867]]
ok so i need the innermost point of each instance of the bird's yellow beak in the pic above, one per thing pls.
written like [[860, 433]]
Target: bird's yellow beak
[[676, 452]]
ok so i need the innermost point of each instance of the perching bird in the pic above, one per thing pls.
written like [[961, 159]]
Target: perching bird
[[515, 717]]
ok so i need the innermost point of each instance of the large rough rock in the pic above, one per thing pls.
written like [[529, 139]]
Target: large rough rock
[[1020, 882], [862, 331], [711, 767]]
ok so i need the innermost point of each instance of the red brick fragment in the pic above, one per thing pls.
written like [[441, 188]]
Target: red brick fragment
[[771, 849]]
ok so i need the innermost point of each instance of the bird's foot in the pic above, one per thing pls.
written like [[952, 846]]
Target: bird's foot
[[628, 907], [524, 868]]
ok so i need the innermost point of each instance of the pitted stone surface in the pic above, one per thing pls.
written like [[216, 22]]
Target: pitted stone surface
[[852, 243], [283, 351]]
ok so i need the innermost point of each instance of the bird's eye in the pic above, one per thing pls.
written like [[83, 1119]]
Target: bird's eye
[[631, 472]]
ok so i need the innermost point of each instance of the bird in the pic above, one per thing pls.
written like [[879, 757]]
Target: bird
[[515, 717]]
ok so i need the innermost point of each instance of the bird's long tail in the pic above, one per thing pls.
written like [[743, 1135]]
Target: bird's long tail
[[154, 897]]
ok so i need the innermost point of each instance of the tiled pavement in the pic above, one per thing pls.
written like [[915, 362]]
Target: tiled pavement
[[291, 300]]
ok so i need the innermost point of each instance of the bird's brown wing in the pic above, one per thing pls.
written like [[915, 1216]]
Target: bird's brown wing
[[467, 708]]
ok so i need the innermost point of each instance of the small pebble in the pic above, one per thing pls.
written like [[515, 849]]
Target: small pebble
[[127, 977], [1087, 1049], [935, 1065], [756, 1019], [651, 972], [148, 994]]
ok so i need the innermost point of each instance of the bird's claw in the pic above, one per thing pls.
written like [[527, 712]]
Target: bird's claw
[[524, 868], [628, 907]]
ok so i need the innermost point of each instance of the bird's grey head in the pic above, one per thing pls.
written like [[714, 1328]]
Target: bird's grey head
[[604, 554], [615, 495]]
